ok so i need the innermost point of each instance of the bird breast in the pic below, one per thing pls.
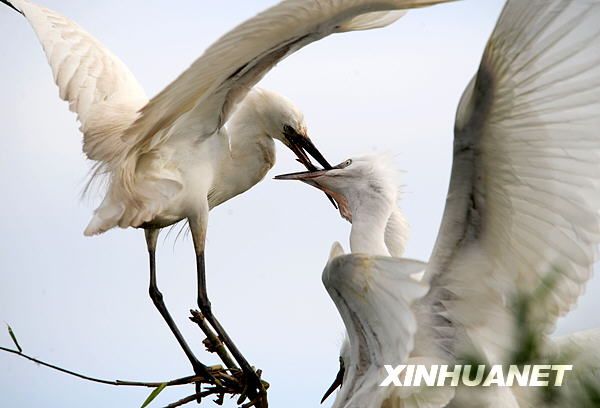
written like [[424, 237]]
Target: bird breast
[[246, 165]]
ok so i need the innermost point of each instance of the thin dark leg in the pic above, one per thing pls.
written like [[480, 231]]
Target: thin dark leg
[[206, 309], [254, 384], [255, 390], [157, 299]]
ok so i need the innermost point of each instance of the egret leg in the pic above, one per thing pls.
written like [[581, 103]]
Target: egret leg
[[157, 299], [255, 387]]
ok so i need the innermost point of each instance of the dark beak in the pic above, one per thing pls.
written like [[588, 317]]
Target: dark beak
[[338, 382], [302, 146], [11, 6]]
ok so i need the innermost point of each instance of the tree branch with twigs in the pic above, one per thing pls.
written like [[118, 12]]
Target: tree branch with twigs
[[226, 380]]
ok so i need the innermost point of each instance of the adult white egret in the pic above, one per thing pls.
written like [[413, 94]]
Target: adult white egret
[[170, 159], [523, 207]]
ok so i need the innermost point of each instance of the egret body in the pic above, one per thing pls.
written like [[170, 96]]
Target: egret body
[[173, 158], [522, 217]]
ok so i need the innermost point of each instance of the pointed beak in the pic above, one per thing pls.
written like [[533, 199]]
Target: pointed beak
[[338, 382], [306, 175], [310, 177], [302, 175], [308, 146], [302, 146]]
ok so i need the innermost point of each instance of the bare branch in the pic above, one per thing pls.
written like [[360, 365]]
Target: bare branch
[[227, 384], [183, 401], [190, 398], [179, 381]]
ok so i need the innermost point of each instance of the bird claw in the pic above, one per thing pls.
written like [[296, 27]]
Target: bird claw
[[254, 390], [218, 370]]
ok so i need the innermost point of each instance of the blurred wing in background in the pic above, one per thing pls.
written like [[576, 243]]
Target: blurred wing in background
[[580, 384], [524, 199]]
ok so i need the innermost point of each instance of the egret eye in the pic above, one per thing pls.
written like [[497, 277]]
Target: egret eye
[[346, 164]]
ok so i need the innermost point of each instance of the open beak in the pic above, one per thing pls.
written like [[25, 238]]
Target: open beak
[[311, 178], [302, 146]]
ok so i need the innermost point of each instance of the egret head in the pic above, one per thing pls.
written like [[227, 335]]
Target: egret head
[[283, 121], [355, 183]]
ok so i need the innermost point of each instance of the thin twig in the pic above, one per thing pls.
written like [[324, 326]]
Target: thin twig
[[194, 397], [229, 384], [179, 381], [189, 398], [183, 401]]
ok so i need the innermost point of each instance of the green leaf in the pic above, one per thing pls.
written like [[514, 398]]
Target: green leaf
[[14, 338], [154, 394]]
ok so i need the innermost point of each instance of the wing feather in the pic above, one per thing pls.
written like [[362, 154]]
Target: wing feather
[[524, 199], [374, 296], [98, 86], [222, 76]]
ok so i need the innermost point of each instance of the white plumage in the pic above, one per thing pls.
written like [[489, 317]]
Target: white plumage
[[375, 297], [524, 196], [171, 158], [366, 190], [522, 213], [373, 290], [99, 88], [194, 108]]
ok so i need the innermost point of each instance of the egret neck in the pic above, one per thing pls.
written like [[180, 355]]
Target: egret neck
[[370, 216]]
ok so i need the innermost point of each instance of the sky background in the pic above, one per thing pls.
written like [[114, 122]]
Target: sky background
[[82, 302]]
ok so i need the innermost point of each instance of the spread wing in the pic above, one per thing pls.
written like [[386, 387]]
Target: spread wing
[[522, 213], [374, 296], [97, 85], [206, 93]]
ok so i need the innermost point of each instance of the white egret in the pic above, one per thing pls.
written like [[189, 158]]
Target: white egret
[[522, 212], [366, 192], [171, 159]]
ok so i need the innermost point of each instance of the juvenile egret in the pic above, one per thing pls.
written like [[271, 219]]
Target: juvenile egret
[[522, 212], [366, 192], [171, 159]]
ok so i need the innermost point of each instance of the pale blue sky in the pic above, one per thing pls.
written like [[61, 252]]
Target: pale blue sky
[[83, 302]]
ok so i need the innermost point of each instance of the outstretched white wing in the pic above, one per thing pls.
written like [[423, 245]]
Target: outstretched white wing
[[206, 93], [523, 207], [97, 85], [374, 296]]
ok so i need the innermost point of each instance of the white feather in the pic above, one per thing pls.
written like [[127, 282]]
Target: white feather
[[524, 198], [100, 89]]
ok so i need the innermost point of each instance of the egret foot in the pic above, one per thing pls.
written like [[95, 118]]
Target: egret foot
[[255, 390]]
